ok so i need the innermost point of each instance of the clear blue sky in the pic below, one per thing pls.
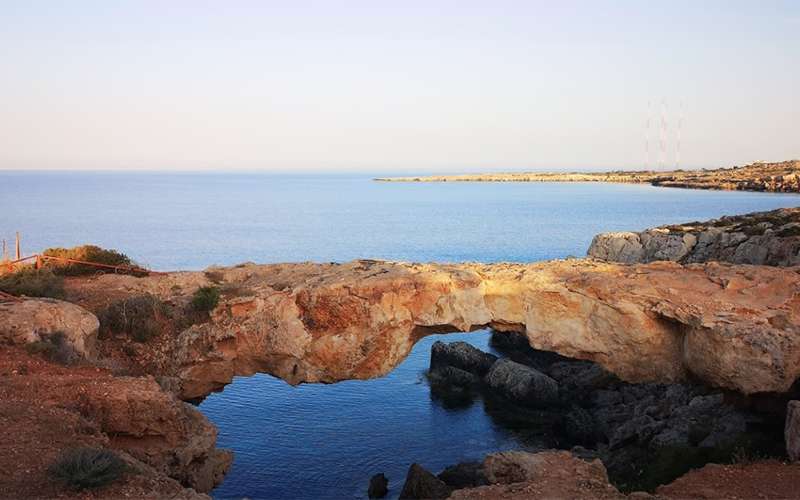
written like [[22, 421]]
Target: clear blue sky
[[403, 86]]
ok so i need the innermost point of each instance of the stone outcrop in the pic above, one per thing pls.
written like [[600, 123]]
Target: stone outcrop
[[760, 238], [792, 430], [33, 320], [730, 326], [551, 474], [522, 384], [779, 177], [421, 484], [48, 408]]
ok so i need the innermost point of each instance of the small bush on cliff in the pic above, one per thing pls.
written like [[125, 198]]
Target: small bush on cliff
[[86, 253], [33, 283], [205, 298], [83, 467], [137, 316], [54, 347]]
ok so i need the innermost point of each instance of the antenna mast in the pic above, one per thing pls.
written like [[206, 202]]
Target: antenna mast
[[662, 160], [678, 137]]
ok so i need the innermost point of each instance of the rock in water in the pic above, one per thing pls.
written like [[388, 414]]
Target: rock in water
[[521, 384], [464, 475], [378, 486], [792, 430], [461, 355], [422, 484]]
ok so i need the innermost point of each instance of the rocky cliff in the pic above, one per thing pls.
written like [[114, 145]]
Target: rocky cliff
[[780, 177], [762, 238], [731, 326]]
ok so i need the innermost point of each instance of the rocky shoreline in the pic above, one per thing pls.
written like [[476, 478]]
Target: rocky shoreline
[[623, 364], [779, 177]]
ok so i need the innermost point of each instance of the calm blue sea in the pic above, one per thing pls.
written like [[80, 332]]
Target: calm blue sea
[[317, 441]]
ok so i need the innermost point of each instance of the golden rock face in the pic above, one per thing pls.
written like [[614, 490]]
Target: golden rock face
[[732, 326]]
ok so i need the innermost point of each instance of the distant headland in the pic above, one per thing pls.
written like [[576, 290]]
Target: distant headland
[[780, 177]]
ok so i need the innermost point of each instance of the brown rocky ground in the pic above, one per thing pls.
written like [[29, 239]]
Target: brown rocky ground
[[767, 479], [773, 177], [46, 408]]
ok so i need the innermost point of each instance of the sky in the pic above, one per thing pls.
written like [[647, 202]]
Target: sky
[[411, 86]]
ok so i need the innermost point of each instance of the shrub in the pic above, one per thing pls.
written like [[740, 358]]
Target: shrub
[[135, 316], [33, 282], [87, 253], [55, 348], [205, 298], [84, 467]]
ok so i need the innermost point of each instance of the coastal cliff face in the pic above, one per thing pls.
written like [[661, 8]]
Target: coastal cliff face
[[761, 238], [46, 407], [780, 177], [730, 326]]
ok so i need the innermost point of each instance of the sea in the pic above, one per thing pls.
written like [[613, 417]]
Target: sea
[[319, 441]]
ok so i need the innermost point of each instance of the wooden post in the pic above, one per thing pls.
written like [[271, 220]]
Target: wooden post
[[19, 252]]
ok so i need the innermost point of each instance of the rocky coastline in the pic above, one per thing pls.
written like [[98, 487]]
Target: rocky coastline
[[778, 177], [692, 352]]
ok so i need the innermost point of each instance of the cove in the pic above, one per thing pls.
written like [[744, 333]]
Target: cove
[[325, 441]]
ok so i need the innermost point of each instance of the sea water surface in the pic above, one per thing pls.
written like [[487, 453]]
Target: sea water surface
[[325, 441]]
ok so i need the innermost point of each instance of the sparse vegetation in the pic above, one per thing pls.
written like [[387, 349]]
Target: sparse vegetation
[[205, 298], [137, 316], [53, 347], [83, 467], [33, 282], [87, 253]]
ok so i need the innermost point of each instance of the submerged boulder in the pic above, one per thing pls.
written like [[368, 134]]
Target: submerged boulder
[[461, 355], [420, 483], [521, 384]]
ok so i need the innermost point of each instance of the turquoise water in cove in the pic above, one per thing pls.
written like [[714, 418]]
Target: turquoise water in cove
[[318, 441]]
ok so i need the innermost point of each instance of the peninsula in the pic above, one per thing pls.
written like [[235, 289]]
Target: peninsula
[[779, 177]]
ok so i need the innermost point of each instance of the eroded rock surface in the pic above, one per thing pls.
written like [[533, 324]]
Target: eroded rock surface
[[792, 430], [730, 326], [33, 320], [760, 238], [46, 408]]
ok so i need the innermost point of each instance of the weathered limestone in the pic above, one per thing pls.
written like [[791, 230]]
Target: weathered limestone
[[731, 326], [32, 320], [761, 238]]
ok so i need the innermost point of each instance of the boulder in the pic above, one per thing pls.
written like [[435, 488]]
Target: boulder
[[521, 384], [378, 486], [464, 475], [461, 355], [33, 320], [422, 484], [792, 430]]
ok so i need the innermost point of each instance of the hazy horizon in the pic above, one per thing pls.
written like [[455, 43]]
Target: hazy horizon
[[379, 88]]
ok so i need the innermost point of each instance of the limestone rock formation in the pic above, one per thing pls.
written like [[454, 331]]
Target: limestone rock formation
[[730, 326], [32, 320], [760, 238], [170, 443]]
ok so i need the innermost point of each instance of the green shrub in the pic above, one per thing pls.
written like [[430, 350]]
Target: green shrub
[[54, 347], [137, 316], [84, 467], [205, 298], [87, 253], [33, 282]]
